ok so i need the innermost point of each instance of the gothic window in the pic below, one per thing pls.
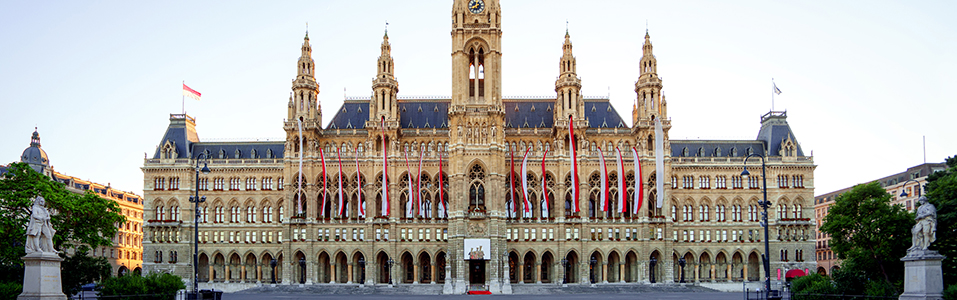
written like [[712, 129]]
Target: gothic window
[[238, 153], [252, 154], [222, 153], [477, 188], [701, 152], [734, 151], [684, 151], [717, 151], [749, 151]]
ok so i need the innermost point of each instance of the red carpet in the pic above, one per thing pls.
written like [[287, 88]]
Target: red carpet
[[480, 293]]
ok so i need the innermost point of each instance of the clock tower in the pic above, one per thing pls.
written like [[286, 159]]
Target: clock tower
[[476, 53]]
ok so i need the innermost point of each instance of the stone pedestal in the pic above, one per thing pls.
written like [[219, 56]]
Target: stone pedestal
[[923, 278], [41, 277]]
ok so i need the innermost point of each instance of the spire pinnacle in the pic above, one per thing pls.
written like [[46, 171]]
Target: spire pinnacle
[[307, 30], [386, 30]]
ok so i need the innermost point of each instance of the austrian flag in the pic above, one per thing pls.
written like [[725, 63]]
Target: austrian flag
[[188, 92]]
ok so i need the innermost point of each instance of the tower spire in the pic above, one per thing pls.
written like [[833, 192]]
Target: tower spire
[[568, 85], [384, 85]]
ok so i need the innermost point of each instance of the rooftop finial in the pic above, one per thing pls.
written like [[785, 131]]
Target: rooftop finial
[[566, 26], [307, 30], [386, 28]]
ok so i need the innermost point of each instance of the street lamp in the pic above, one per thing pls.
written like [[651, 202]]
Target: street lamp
[[904, 191], [593, 262], [196, 199], [389, 263], [302, 270], [681, 263], [764, 220], [654, 261], [272, 264], [565, 273]]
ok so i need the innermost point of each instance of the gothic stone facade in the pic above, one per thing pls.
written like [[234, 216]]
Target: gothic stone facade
[[252, 218]]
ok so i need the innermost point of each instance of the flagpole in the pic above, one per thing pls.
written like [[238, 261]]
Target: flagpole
[[184, 99], [772, 94]]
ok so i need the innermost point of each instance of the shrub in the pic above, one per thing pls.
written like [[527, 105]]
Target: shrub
[[951, 292], [10, 290], [163, 285]]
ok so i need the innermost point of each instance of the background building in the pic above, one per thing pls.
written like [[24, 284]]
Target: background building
[[897, 185], [126, 254], [255, 215]]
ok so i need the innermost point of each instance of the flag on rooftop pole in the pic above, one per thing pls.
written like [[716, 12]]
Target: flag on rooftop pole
[[189, 92], [659, 162], [775, 89]]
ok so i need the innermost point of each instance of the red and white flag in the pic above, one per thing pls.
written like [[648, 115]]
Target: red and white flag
[[527, 211], [544, 188], [362, 208], [418, 185], [639, 192], [443, 207], [511, 187], [410, 201], [622, 191], [188, 92], [342, 196], [325, 185], [604, 180], [385, 174], [572, 146]]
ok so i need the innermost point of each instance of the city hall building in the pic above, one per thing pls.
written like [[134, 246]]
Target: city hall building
[[258, 224]]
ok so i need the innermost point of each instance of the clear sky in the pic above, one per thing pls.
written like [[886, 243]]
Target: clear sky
[[862, 81]]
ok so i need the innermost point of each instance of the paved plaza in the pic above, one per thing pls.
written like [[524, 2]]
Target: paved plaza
[[629, 296]]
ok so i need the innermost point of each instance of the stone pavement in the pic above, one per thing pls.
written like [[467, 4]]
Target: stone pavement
[[521, 291], [628, 296]]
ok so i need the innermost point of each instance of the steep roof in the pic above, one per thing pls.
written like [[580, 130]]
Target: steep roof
[[775, 130]]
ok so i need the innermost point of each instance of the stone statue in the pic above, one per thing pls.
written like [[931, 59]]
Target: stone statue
[[39, 231], [925, 231]]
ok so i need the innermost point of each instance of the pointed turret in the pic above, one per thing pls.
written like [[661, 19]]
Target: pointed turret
[[305, 89], [648, 87], [568, 86], [384, 86]]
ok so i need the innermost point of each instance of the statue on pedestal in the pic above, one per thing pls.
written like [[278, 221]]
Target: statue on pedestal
[[925, 231], [39, 231]]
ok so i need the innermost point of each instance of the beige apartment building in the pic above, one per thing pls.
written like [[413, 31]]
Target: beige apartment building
[[257, 225], [904, 187], [126, 254]]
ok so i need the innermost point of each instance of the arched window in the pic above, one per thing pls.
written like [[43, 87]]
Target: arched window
[[477, 188]]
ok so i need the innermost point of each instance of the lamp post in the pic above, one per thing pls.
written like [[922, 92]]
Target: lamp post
[[302, 270], [389, 263], [565, 270], [764, 220], [272, 264], [904, 191], [654, 261], [196, 199], [681, 263]]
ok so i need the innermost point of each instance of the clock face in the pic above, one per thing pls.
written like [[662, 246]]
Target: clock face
[[476, 6]]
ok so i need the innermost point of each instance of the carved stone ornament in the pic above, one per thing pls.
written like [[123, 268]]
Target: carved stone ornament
[[477, 228]]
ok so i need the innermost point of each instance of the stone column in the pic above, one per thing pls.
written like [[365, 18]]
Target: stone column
[[415, 273], [604, 272], [242, 273], [538, 275], [621, 273], [332, 268], [745, 273], [259, 273], [432, 275], [350, 273]]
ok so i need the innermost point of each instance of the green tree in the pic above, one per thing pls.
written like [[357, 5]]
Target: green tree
[[942, 193], [81, 220], [81, 269], [870, 235]]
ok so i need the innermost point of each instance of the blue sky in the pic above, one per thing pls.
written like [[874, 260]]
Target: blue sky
[[862, 81]]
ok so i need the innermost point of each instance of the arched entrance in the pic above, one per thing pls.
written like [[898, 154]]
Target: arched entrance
[[631, 267], [300, 268], [571, 267], [267, 271], [440, 265], [425, 268], [219, 265], [382, 260], [233, 269], [323, 268], [528, 268], [203, 268], [546, 270], [122, 271], [408, 268], [250, 274], [721, 267], [359, 268], [513, 267], [704, 269], [341, 268], [655, 271], [614, 267], [754, 265], [595, 267]]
